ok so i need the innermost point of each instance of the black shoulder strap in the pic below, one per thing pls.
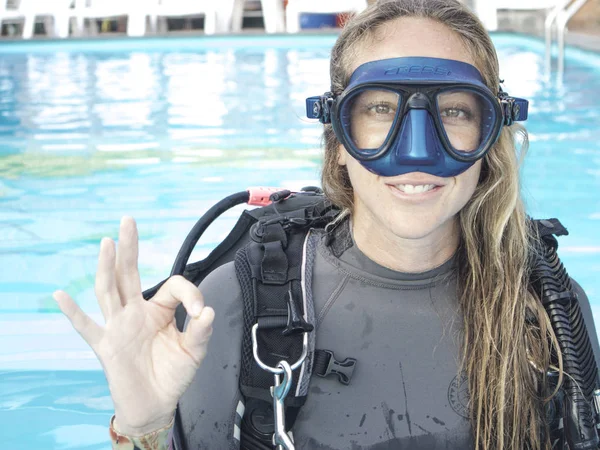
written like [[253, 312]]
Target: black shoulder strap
[[269, 271], [275, 273]]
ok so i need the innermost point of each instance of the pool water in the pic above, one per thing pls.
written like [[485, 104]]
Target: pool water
[[160, 129]]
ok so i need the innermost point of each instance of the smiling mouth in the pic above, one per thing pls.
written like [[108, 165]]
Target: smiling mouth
[[415, 189]]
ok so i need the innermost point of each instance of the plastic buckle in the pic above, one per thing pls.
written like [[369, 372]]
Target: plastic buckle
[[319, 107], [343, 369], [313, 107]]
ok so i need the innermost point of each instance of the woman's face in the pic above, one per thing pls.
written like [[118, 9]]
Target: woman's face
[[403, 205]]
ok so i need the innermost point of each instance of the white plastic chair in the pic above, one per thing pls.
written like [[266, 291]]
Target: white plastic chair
[[135, 10], [31, 11], [59, 10], [8, 14], [297, 7], [184, 8], [487, 10], [272, 11]]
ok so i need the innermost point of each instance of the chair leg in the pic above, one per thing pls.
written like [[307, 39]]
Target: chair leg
[[61, 25], [49, 29], [28, 25], [210, 22], [224, 13], [153, 20], [93, 27], [79, 27], [272, 11], [136, 25], [163, 25], [237, 16], [280, 18], [292, 18]]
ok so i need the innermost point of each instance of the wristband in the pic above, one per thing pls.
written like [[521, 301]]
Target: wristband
[[155, 440]]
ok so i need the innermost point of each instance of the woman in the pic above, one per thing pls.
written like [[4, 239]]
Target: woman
[[426, 283]]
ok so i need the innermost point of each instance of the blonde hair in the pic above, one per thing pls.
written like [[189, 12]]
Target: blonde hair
[[507, 337]]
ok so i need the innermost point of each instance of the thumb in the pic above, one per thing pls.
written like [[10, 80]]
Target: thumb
[[197, 334]]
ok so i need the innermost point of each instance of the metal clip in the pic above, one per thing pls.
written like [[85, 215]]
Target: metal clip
[[277, 370], [596, 399], [283, 383]]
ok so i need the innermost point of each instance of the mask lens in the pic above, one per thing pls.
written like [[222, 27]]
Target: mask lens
[[468, 118], [369, 115]]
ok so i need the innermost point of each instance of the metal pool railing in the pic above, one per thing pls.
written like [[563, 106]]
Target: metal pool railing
[[559, 15]]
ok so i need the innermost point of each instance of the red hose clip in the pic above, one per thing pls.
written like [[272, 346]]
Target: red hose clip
[[261, 196]]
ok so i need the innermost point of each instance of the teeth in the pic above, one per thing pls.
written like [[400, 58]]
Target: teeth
[[412, 189]]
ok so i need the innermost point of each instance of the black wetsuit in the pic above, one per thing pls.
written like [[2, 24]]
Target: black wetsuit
[[404, 330]]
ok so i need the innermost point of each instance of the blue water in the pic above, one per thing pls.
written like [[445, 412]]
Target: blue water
[[162, 128]]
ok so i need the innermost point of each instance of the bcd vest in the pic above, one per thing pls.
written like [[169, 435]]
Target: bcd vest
[[273, 250]]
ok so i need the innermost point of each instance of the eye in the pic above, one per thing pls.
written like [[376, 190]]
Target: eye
[[380, 108], [453, 112], [456, 113]]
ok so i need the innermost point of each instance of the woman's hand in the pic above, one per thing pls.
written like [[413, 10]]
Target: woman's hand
[[148, 363]]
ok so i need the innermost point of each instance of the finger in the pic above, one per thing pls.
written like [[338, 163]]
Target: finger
[[89, 330], [178, 290], [128, 276], [197, 334], [106, 284]]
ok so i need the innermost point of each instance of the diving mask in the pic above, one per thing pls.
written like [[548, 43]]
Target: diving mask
[[417, 114]]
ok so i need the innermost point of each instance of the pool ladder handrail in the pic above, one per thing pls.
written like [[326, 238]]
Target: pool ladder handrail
[[560, 14]]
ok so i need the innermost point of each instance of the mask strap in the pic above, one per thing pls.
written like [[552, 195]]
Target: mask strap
[[514, 109], [319, 107]]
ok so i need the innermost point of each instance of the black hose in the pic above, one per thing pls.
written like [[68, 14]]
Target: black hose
[[200, 227], [553, 284], [181, 262]]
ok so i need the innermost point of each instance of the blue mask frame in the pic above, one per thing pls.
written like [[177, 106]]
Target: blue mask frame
[[417, 141]]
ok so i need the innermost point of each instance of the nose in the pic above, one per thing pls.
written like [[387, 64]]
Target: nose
[[417, 141]]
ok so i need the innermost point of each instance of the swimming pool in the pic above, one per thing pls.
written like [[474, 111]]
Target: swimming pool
[[161, 129]]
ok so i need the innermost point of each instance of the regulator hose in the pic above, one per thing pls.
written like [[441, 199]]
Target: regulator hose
[[195, 234], [200, 227], [552, 283]]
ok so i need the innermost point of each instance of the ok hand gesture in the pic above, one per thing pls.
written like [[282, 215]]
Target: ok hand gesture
[[148, 363]]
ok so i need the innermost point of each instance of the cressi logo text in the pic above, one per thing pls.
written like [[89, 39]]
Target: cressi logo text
[[433, 70]]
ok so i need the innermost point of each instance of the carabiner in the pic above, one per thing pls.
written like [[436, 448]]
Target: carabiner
[[283, 383], [277, 370]]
